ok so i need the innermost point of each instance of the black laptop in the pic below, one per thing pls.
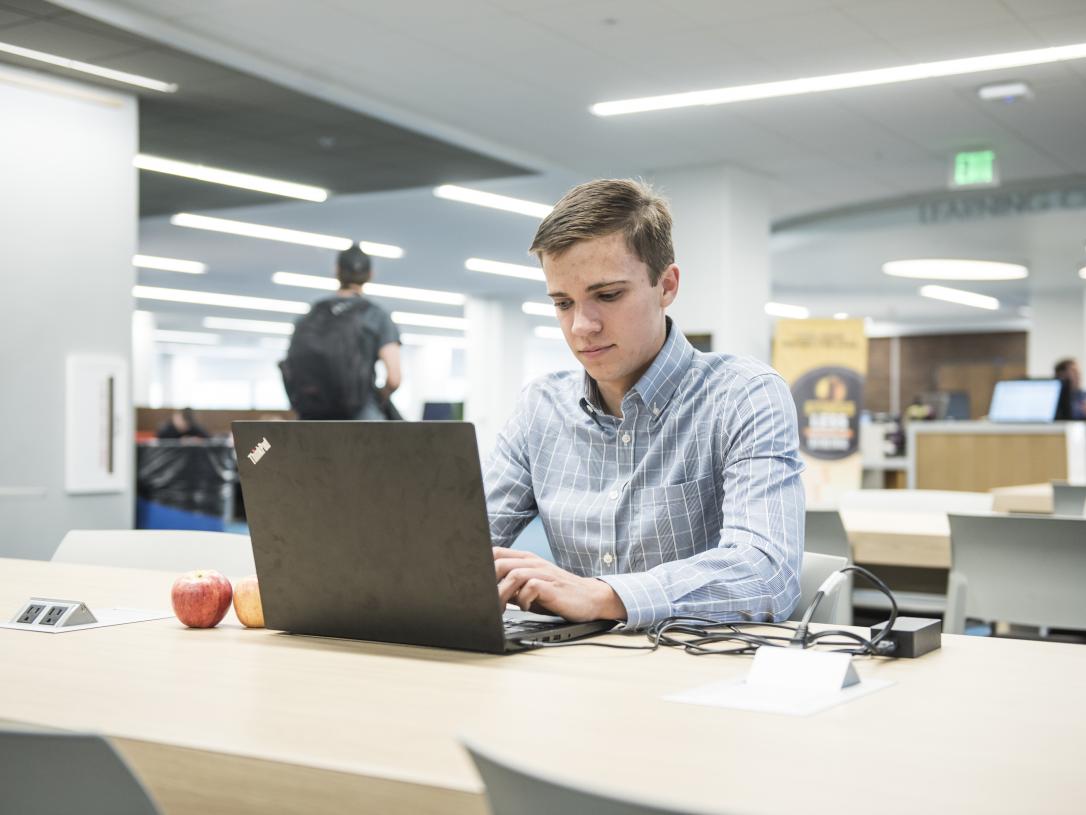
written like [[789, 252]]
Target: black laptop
[[378, 531]]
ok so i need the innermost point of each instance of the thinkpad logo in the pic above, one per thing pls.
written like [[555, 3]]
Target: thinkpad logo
[[258, 452]]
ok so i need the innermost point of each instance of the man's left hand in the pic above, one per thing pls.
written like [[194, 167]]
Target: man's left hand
[[538, 585]]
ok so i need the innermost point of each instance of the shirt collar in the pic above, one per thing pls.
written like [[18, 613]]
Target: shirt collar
[[657, 385]]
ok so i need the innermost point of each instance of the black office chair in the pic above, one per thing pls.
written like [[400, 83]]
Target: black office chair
[[51, 773]]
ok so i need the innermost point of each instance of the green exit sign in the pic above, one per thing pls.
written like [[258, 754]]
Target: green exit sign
[[976, 168]]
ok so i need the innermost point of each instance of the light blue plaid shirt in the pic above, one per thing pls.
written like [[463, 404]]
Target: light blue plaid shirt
[[691, 503]]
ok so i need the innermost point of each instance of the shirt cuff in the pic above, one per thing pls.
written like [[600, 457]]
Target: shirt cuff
[[645, 599]]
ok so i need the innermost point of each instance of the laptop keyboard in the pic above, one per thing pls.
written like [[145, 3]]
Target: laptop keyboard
[[513, 627]]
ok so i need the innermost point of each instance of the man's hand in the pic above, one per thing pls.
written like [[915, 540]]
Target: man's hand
[[538, 585]]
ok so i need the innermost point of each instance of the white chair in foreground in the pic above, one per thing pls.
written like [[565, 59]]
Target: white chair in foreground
[[49, 773], [171, 550], [515, 786], [1017, 569], [835, 607]]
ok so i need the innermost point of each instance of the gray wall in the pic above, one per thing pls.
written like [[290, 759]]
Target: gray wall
[[68, 220]]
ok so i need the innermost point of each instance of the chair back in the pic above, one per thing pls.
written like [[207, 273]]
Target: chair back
[[824, 533], [170, 550], [1068, 499], [515, 788], [48, 773], [835, 607], [1023, 569]]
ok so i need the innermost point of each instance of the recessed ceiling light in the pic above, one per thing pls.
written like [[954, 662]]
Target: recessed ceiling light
[[538, 309], [785, 310], [841, 315], [962, 298], [429, 320], [834, 82], [451, 192], [192, 337], [450, 298], [548, 332], [434, 339], [230, 178], [275, 233], [169, 264], [953, 269], [506, 269], [1005, 92], [87, 68], [254, 326], [207, 298]]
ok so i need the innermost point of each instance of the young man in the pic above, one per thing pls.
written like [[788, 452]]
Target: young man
[[668, 480]]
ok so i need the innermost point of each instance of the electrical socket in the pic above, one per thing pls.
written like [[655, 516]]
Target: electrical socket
[[53, 615], [31, 614]]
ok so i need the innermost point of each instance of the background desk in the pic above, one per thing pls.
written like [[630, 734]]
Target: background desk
[[235, 721]]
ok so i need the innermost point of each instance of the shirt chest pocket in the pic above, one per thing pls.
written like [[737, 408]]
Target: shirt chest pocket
[[673, 521]]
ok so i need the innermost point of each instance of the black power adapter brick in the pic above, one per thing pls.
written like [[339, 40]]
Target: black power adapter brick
[[912, 636]]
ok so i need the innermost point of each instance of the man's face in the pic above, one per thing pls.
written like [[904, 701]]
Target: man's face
[[611, 316]]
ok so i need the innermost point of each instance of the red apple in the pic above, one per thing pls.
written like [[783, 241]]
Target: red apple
[[201, 598], [247, 602]]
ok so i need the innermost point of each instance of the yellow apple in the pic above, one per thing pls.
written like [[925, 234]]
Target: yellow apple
[[247, 602]]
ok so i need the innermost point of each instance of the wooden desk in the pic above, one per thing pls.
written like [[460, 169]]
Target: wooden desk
[[1035, 499], [235, 721]]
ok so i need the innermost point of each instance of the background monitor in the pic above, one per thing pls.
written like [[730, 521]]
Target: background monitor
[[1025, 400]]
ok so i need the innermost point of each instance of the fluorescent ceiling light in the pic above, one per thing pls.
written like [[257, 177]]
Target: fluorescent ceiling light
[[1005, 92], [451, 192], [450, 298], [538, 309], [429, 320], [835, 82], [548, 332], [254, 326], [434, 339], [785, 310], [1082, 272], [275, 233], [506, 269], [192, 337], [169, 264], [962, 298], [87, 68], [950, 269], [219, 352], [229, 178], [841, 315], [207, 298]]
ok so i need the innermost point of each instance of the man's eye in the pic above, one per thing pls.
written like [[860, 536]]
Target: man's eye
[[562, 305], [608, 296]]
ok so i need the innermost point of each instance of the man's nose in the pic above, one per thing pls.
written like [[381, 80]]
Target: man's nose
[[585, 322]]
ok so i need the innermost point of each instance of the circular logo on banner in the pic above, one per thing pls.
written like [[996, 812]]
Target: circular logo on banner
[[828, 402]]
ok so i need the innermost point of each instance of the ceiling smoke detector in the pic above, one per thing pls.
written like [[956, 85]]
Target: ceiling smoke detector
[[1006, 92]]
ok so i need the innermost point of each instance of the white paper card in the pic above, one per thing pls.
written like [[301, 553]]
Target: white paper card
[[105, 616], [802, 668], [740, 695]]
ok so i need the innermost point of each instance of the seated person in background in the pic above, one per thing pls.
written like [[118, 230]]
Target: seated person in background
[[668, 480], [1072, 404], [182, 424]]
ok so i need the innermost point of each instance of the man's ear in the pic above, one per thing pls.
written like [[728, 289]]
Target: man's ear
[[669, 285]]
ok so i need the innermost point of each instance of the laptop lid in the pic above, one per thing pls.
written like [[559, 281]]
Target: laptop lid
[[371, 530], [1024, 400]]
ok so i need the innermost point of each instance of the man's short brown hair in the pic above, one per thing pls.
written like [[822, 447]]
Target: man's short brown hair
[[606, 206]]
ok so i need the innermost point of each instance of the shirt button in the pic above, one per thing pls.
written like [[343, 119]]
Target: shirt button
[[608, 558], [613, 495], [625, 438]]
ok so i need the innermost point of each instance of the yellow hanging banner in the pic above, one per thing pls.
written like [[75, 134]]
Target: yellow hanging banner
[[825, 363]]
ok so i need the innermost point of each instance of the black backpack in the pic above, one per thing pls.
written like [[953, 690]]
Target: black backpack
[[328, 372]]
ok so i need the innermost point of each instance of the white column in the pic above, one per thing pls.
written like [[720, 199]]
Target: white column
[[1057, 330], [721, 234], [143, 357], [68, 213], [496, 336]]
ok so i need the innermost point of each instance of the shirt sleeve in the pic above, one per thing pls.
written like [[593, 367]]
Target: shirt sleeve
[[507, 479], [387, 331], [753, 572]]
